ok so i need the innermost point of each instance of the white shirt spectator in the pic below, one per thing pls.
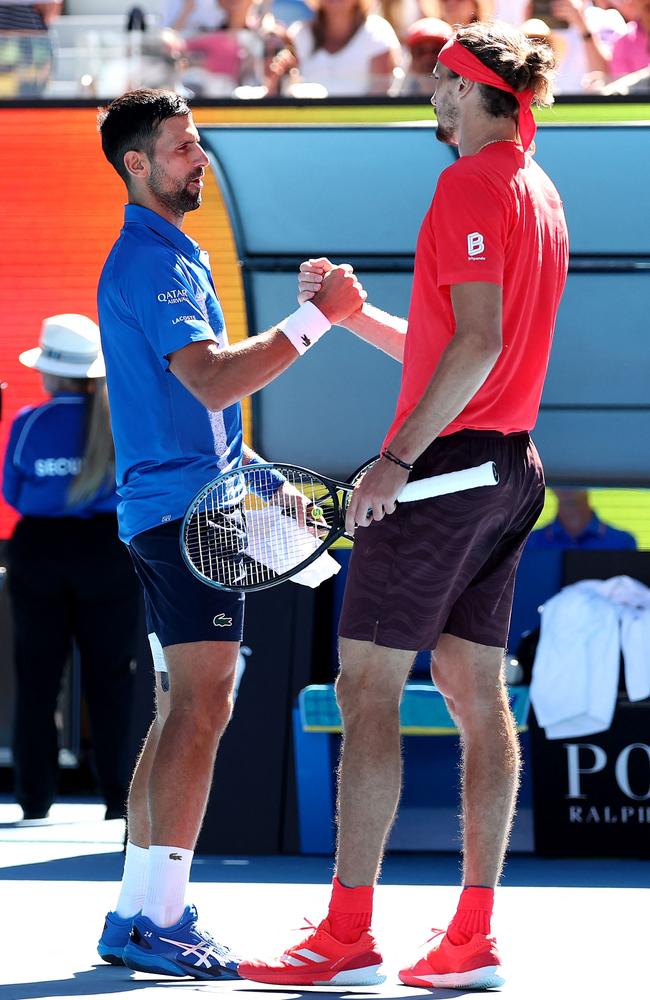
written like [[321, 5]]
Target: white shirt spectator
[[206, 15], [512, 12], [345, 73], [607, 25]]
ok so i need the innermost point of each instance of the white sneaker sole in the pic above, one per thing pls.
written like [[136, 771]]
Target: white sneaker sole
[[477, 979], [369, 976]]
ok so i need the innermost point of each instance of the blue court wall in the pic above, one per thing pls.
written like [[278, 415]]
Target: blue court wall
[[358, 193]]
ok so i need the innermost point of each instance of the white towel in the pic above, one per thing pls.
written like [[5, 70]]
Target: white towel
[[632, 599], [575, 675], [321, 569], [264, 526]]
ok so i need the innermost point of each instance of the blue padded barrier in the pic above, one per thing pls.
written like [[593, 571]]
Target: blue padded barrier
[[423, 711]]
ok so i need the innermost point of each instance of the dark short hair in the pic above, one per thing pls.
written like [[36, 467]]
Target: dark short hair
[[132, 122]]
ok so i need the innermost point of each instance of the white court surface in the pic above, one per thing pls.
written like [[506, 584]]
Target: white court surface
[[566, 929]]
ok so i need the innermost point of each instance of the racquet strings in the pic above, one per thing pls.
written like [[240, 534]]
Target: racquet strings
[[249, 529]]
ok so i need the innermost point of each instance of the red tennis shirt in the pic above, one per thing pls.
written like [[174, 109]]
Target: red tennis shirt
[[495, 217]]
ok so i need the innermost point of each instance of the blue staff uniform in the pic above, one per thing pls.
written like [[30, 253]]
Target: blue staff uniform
[[69, 578], [597, 535], [43, 456], [156, 296]]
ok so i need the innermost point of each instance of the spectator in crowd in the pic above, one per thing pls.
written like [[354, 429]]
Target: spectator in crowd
[[424, 40], [464, 12], [69, 575], [539, 31], [401, 14], [153, 57], [631, 51], [191, 16], [229, 56], [25, 46], [512, 12], [577, 526], [346, 49], [589, 39], [280, 62]]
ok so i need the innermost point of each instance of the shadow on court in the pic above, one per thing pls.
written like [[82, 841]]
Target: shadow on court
[[88, 982], [102, 980]]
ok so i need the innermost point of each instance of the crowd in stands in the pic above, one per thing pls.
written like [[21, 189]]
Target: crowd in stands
[[317, 48]]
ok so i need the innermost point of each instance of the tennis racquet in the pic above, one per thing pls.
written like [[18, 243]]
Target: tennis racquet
[[259, 525]]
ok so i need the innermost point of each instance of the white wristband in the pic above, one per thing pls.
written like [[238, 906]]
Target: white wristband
[[305, 326]]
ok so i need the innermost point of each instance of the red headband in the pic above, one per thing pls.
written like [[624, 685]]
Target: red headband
[[456, 57]]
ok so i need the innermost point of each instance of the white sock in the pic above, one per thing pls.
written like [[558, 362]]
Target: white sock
[[167, 878], [134, 881]]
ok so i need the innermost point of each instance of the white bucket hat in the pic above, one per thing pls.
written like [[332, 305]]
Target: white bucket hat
[[69, 346]]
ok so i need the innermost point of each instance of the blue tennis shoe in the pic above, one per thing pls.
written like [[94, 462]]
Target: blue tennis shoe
[[180, 950], [115, 938]]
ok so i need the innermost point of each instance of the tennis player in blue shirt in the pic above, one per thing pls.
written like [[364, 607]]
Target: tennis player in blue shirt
[[175, 386]]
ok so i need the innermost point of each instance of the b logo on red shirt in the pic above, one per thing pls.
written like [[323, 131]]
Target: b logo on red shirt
[[475, 244]]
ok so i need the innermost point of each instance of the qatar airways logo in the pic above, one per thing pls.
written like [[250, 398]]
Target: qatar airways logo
[[174, 297], [475, 246]]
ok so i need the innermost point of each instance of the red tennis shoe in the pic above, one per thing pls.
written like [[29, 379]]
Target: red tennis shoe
[[321, 960], [475, 965]]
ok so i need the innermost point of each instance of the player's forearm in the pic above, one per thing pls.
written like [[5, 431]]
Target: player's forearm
[[386, 332], [462, 370], [231, 374]]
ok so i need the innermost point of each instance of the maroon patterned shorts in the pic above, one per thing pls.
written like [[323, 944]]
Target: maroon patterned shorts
[[447, 564]]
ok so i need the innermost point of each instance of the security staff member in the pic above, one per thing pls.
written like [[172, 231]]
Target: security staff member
[[577, 526], [69, 575]]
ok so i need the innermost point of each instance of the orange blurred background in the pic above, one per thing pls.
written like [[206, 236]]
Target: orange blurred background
[[62, 211]]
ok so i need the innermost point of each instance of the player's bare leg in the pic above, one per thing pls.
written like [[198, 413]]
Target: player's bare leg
[[369, 690], [471, 679], [169, 792], [341, 951], [201, 676], [138, 821], [166, 932]]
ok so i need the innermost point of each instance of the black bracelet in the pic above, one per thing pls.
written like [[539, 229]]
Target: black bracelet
[[395, 460]]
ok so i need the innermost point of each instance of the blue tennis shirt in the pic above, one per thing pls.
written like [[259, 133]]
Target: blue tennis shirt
[[156, 296]]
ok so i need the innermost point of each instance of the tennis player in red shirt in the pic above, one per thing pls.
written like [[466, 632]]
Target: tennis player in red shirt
[[490, 268]]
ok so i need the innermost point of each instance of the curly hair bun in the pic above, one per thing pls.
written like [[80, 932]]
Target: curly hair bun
[[524, 63]]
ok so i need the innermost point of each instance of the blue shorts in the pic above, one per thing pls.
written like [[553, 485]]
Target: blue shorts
[[179, 607]]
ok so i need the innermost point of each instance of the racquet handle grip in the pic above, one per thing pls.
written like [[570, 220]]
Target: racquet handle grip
[[450, 482]]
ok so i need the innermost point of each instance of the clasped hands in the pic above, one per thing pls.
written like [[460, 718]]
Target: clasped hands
[[376, 493], [334, 289]]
